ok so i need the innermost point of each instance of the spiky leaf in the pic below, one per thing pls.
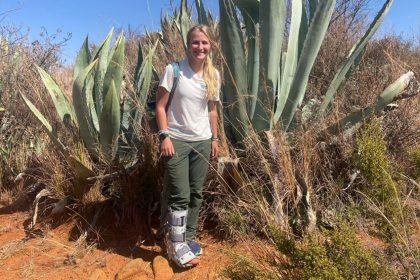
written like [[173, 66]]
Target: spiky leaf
[[272, 21], [352, 56], [101, 54], [235, 75], [45, 124], [386, 97], [292, 56], [116, 67], [314, 38], [82, 59], [110, 122], [201, 12], [82, 88], [61, 103]]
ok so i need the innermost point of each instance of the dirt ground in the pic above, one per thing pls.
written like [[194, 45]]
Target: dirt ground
[[51, 254]]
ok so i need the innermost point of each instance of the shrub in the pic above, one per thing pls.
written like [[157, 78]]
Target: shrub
[[374, 164], [335, 254], [414, 157]]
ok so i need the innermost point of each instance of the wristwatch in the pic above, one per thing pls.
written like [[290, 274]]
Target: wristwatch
[[163, 135]]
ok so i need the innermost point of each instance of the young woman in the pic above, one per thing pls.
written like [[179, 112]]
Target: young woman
[[188, 138]]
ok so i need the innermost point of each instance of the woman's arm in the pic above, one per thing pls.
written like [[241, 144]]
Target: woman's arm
[[214, 130], [162, 97]]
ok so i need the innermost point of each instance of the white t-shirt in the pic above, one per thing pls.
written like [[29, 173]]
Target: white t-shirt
[[188, 114]]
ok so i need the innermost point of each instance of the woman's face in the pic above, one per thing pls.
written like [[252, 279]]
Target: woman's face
[[199, 46]]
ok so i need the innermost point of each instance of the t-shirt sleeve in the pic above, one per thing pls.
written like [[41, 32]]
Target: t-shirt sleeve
[[216, 97], [167, 79]]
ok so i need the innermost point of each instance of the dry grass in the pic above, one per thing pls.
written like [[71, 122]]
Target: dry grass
[[11, 248]]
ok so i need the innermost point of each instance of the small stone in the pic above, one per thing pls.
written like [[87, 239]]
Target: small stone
[[162, 269], [98, 275], [133, 270]]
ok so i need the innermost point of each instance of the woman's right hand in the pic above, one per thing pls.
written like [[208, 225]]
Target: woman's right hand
[[167, 147]]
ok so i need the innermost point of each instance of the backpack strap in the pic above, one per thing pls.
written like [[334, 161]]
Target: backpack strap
[[175, 67]]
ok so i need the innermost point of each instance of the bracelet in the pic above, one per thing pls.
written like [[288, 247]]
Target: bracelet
[[163, 131], [215, 139]]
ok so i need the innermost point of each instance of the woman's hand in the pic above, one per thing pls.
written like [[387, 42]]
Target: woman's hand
[[167, 148], [214, 148]]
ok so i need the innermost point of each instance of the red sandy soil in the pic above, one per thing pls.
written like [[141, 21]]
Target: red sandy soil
[[51, 255]]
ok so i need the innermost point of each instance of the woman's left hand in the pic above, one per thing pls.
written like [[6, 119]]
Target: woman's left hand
[[214, 149]]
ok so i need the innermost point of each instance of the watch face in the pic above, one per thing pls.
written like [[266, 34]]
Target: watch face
[[162, 136]]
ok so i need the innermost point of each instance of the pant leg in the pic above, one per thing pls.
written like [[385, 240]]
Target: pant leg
[[177, 177], [199, 162]]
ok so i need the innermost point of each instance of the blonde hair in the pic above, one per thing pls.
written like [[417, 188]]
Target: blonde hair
[[209, 72]]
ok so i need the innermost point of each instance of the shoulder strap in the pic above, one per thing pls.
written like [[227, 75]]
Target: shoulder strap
[[175, 67]]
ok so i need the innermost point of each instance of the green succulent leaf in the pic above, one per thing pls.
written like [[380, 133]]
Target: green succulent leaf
[[201, 12], [313, 41], [184, 22], [292, 56], [82, 59], [81, 171], [250, 14], [45, 124], [235, 74], [386, 97], [61, 103], [110, 123], [354, 53], [101, 54], [272, 22], [313, 4], [116, 66], [82, 88]]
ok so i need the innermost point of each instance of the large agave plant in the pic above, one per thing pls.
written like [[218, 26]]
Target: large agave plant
[[102, 111], [265, 86]]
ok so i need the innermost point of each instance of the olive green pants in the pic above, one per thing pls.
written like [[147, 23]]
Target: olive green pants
[[185, 174]]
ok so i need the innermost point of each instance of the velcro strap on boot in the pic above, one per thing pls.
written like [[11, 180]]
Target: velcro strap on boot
[[176, 221], [178, 226]]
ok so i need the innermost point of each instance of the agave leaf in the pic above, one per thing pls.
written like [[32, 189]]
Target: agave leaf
[[101, 54], [61, 104], [82, 88], [201, 12], [314, 38], [82, 59], [82, 171], [291, 57], [386, 97], [272, 21], [116, 67], [143, 82], [45, 124], [89, 85], [184, 22], [139, 63], [110, 123], [250, 14], [312, 9], [235, 75], [303, 30], [352, 56]]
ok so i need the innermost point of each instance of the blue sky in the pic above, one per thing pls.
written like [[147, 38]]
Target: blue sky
[[96, 17]]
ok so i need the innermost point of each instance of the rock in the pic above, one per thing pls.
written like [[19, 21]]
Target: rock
[[162, 269], [98, 275], [133, 270]]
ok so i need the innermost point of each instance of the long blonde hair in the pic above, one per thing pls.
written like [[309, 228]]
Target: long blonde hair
[[209, 72]]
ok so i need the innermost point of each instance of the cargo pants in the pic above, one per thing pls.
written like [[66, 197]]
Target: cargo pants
[[185, 173]]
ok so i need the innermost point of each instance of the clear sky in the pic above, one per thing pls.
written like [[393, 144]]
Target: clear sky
[[96, 17]]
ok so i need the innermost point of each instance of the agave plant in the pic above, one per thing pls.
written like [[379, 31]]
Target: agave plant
[[102, 111], [265, 86]]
